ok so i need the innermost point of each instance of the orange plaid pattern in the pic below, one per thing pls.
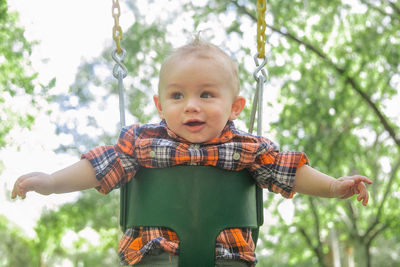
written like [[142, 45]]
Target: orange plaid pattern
[[156, 146]]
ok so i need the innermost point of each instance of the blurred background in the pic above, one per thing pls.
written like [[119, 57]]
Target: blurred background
[[333, 92]]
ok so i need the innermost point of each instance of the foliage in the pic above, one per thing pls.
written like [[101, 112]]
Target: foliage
[[61, 233], [15, 79], [15, 249], [335, 110]]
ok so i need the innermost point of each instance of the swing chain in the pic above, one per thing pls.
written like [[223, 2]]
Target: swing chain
[[118, 55], [117, 30], [262, 78], [261, 26]]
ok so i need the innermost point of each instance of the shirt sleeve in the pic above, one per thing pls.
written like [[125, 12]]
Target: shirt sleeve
[[117, 164], [276, 170]]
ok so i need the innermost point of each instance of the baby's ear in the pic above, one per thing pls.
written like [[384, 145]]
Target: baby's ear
[[237, 107], [157, 103]]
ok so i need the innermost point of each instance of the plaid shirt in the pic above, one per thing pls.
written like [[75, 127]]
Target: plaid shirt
[[156, 146]]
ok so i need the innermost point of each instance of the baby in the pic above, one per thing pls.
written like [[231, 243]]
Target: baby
[[198, 100]]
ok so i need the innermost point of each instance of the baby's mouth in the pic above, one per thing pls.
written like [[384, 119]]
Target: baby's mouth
[[194, 126], [194, 123]]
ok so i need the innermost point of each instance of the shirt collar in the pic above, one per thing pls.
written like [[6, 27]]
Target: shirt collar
[[226, 135]]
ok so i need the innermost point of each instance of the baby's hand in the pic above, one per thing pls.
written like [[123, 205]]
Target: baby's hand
[[35, 181], [348, 186]]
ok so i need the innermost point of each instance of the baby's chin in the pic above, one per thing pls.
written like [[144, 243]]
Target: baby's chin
[[200, 139]]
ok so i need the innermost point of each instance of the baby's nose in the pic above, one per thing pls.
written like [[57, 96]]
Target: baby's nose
[[192, 105]]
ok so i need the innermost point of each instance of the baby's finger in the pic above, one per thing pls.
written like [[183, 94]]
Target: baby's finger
[[364, 196], [368, 181], [20, 191], [13, 193], [16, 188], [360, 178], [365, 199]]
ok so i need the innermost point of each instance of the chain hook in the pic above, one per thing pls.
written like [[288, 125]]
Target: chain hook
[[258, 96], [120, 72], [260, 67], [119, 68]]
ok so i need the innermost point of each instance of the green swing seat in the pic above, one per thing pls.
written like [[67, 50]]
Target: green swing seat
[[197, 202]]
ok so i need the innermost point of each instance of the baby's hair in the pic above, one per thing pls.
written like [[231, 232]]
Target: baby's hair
[[200, 48]]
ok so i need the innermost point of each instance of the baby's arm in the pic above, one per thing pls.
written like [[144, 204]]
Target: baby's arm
[[312, 182], [77, 177]]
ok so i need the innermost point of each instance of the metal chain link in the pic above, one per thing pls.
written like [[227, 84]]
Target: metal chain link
[[261, 78], [261, 26], [117, 30]]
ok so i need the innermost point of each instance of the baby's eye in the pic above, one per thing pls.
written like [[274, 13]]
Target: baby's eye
[[177, 96], [206, 95]]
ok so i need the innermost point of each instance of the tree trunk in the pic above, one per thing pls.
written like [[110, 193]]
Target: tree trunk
[[334, 244], [361, 254], [350, 257]]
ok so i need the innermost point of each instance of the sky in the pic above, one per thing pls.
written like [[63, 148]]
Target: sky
[[69, 32]]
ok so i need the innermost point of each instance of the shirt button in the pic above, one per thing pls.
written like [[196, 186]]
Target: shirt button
[[236, 156], [152, 154], [196, 146]]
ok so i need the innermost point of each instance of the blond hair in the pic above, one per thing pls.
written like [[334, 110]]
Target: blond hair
[[201, 48]]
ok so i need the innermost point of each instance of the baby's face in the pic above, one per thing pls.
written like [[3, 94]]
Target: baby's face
[[197, 96]]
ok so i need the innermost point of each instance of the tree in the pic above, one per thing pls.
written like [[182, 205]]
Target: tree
[[15, 249], [91, 213], [15, 79]]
